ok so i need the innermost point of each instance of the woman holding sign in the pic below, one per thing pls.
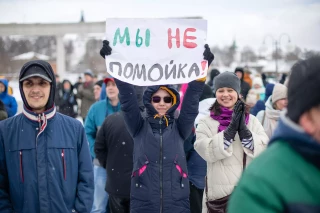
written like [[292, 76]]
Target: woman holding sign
[[227, 139], [159, 179]]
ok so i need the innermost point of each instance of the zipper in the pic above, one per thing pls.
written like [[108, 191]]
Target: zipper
[[161, 159], [63, 165], [21, 167]]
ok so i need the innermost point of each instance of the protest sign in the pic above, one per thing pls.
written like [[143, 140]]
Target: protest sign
[[156, 51]]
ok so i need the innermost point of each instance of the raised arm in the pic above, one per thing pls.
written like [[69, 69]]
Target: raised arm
[[190, 108], [130, 107]]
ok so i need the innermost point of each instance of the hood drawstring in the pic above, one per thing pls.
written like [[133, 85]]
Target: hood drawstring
[[167, 122]]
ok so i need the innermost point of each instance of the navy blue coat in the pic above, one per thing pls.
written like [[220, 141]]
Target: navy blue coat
[[159, 180], [44, 169]]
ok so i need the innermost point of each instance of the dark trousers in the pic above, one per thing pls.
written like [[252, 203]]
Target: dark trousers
[[195, 199], [119, 205]]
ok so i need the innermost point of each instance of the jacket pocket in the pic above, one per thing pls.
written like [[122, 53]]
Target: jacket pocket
[[180, 182], [21, 166], [63, 157], [64, 167], [140, 181]]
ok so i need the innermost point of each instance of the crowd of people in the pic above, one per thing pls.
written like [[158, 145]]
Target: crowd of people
[[234, 144]]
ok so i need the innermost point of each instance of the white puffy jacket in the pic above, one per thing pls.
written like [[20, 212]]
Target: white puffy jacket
[[224, 167]]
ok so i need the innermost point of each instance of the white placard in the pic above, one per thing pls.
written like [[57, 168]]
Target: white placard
[[156, 51]]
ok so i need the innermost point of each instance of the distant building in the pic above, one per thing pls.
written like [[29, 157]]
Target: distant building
[[18, 61]]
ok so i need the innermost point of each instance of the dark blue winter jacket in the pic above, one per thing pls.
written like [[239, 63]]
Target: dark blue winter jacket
[[8, 100], [159, 180], [45, 165]]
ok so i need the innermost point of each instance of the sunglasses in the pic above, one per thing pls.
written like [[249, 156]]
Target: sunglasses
[[157, 99]]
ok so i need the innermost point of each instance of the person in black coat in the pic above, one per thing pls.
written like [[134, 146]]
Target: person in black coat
[[113, 148], [245, 87], [68, 104]]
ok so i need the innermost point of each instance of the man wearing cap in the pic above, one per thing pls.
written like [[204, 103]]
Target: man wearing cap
[[85, 94], [45, 163], [285, 178], [96, 115]]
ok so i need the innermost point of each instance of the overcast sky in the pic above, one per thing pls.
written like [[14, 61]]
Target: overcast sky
[[248, 21]]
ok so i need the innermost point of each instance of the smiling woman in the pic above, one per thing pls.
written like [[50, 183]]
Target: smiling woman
[[226, 138]]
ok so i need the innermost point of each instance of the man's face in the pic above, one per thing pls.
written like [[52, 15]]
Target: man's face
[[112, 90], [239, 74], [37, 91], [88, 78], [2, 87]]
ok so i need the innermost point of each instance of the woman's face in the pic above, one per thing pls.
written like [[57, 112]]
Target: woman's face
[[281, 104], [227, 97], [158, 102]]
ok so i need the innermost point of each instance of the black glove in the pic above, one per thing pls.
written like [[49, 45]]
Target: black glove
[[106, 49], [244, 132], [233, 127], [207, 54]]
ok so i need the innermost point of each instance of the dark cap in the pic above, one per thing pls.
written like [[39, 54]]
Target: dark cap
[[35, 71], [99, 83]]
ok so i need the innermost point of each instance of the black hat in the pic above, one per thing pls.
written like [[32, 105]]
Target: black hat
[[239, 69], [99, 83], [227, 79], [35, 71], [303, 87]]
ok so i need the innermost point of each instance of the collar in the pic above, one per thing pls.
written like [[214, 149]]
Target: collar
[[35, 116]]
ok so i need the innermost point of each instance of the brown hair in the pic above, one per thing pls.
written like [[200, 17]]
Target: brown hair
[[216, 107]]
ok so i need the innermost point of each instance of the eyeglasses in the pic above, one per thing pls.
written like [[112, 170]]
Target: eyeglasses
[[157, 99]]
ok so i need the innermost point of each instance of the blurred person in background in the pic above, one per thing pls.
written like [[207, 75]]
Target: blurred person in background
[[274, 105], [96, 115], [3, 112], [261, 104], [77, 84], [97, 89], [264, 79], [68, 104], [9, 101], [85, 94], [247, 77], [285, 178], [244, 85], [213, 73], [257, 92]]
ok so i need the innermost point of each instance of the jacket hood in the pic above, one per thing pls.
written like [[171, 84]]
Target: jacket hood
[[5, 82], [303, 143], [151, 111], [48, 69]]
